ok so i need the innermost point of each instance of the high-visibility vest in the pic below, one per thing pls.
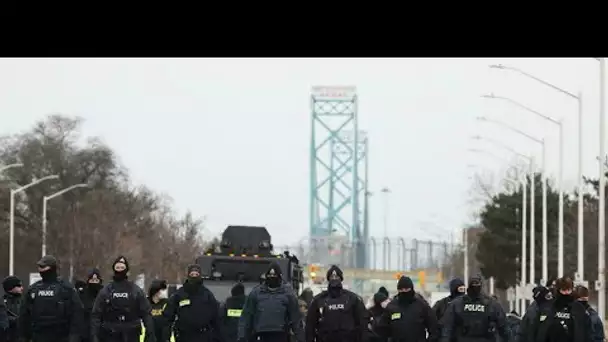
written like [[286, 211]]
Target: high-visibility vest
[[143, 331]]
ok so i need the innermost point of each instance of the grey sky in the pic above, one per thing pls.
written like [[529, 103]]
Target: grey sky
[[229, 139]]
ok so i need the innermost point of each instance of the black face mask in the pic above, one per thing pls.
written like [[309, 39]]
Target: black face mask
[[48, 275], [94, 288], [474, 291], [120, 276], [405, 297], [273, 282], [193, 284], [334, 287], [564, 298], [195, 280], [334, 284]]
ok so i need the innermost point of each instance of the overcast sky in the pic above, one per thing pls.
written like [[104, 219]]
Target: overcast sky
[[229, 139]]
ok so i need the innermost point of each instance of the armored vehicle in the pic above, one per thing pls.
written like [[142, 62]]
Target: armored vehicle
[[244, 255]]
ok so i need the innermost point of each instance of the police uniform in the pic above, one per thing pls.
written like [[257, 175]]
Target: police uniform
[[158, 301], [271, 311], [566, 319], [474, 317], [407, 317], [51, 309], [119, 309], [12, 301], [336, 315], [231, 312], [194, 310]]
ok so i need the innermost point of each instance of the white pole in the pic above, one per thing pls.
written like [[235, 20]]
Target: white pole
[[466, 257], [11, 257], [545, 237], [532, 222], [385, 190], [523, 240], [491, 286], [44, 209], [560, 227], [44, 199], [580, 257], [601, 265], [11, 233]]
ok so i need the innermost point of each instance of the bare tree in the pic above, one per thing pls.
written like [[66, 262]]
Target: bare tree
[[89, 227]]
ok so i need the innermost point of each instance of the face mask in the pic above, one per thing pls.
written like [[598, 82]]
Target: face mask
[[163, 294], [118, 276], [385, 303], [474, 291], [94, 287], [335, 284], [195, 280], [273, 282], [48, 275], [405, 296]]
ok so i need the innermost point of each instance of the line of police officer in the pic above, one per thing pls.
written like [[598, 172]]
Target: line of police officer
[[52, 310]]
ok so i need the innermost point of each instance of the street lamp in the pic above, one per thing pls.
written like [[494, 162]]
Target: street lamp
[[545, 266], [11, 244], [524, 219], [385, 191], [580, 277], [532, 196], [10, 166], [560, 233], [601, 265], [44, 200]]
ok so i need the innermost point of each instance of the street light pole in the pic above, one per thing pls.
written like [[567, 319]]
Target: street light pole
[[45, 199], [11, 244], [465, 242], [580, 229], [386, 191], [560, 257], [601, 265], [545, 264]]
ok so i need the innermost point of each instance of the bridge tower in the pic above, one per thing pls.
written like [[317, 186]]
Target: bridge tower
[[338, 172]]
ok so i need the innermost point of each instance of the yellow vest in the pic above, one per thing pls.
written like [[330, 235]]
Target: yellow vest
[[143, 329]]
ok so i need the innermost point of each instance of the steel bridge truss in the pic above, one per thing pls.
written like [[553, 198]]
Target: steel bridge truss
[[338, 168]]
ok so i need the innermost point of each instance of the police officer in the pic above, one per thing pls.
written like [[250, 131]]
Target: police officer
[[565, 321], [407, 317], [457, 289], [88, 294], [271, 310], [541, 306], [194, 310], [13, 289], [596, 325], [4, 324], [231, 312], [120, 308], [474, 317], [336, 314], [51, 309], [157, 295], [374, 314]]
